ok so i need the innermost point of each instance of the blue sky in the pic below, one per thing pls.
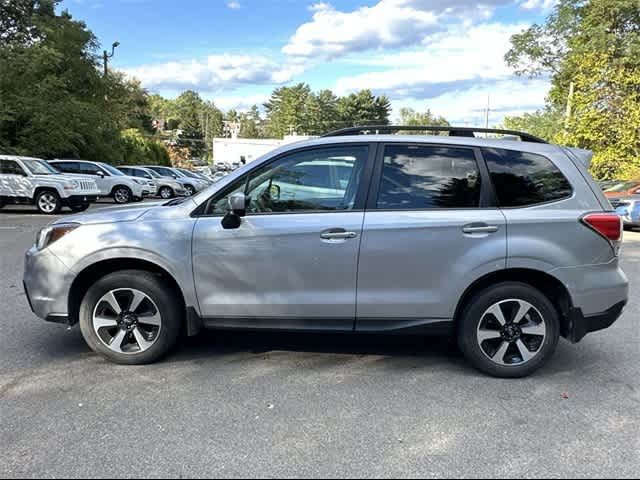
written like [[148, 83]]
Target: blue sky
[[445, 55]]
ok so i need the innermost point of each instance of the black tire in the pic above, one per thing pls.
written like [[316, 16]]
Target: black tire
[[472, 315], [166, 193], [190, 190], [168, 305], [48, 202], [122, 195], [82, 207], [1, 203]]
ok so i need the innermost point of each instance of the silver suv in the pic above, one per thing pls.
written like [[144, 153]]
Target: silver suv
[[506, 245], [111, 182]]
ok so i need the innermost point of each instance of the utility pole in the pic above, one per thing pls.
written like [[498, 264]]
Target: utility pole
[[486, 116], [106, 56]]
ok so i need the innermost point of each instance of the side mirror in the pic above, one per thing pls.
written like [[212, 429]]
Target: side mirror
[[100, 174], [237, 206]]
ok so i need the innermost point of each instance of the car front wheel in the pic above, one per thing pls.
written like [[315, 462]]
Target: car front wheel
[[166, 193], [190, 190], [509, 330], [131, 317], [122, 195], [48, 202]]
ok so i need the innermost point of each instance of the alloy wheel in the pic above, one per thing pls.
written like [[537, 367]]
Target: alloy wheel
[[190, 190], [47, 203], [511, 332], [122, 196], [165, 193], [127, 321]]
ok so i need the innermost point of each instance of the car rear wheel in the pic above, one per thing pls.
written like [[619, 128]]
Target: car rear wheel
[[166, 193], [122, 195], [48, 202], [509, 330], [131, 317]]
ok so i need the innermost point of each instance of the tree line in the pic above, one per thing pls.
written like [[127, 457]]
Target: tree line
[[591, 51]]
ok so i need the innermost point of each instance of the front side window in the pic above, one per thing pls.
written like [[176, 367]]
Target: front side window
[[522, 179], [427, 177], [325, 179], [10, 167], [90, 169], [67, 167]]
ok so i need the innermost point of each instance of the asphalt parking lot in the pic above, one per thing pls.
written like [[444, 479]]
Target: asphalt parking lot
[[248, 405]]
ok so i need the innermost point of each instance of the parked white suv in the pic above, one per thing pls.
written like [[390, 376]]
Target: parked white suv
[[33, 181], [111, 182]]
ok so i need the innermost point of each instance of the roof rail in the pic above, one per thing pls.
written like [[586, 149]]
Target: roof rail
[[453, 131]]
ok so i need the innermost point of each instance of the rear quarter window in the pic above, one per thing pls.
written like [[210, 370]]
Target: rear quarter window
[[524, 179]]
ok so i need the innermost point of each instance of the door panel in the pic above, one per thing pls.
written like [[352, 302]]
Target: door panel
[[277, 265], [417, 264], [430, 230]]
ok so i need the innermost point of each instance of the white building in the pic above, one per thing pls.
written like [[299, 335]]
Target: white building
[[230, 150]]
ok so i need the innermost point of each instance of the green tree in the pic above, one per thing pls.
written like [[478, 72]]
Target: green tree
[[545, 123], [288, 110], [363, 108], [594, 45], [188, 108], [410, 117]]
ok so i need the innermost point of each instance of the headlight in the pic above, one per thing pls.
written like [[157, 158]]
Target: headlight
[[53, 233], [74, 185]]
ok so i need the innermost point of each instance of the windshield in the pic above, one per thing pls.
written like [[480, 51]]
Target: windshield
[[153, 173], [188, 173], [40, 167], [113, 171], [623, 187], [165, 172]]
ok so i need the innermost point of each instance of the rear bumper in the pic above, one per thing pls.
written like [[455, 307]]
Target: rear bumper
[[581, 325]]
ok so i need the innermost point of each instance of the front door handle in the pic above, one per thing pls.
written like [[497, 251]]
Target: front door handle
[[479, 228], [337, 234]]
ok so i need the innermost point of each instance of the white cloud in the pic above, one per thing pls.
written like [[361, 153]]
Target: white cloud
[[233, 4], [467, 106], [239, 102], [387, 24], [214, 73], [460, 55], [540, 4]]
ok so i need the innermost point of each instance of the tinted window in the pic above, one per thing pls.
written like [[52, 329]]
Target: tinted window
[[126, 171], [67, 167], [524, 178], [420, 177], [9, 167], [313, 180], [89, 169]]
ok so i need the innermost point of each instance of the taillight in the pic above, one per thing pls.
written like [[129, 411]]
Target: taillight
[[609, 225]]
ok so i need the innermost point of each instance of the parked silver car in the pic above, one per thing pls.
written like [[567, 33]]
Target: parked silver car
[[111, 182], [506, 245], [165, 187], [190, 185], [33, 181]]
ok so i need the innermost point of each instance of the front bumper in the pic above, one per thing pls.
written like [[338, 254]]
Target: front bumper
[[79, 200], [581, 325], [47, 282]]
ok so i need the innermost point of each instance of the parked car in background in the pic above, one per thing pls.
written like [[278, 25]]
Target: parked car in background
[[505, 245], [32, 181], [607, 184], [143, 175], [203, 180], [625, 198], [111, 182], [166, 187], [623, 189], [190, 185], [218, 176]]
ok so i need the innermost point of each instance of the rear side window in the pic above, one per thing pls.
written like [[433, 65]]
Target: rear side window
[[67, 167], [425, 177], [9, 167], [522, 179]]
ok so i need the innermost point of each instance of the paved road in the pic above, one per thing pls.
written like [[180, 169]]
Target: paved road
[[302, 405]]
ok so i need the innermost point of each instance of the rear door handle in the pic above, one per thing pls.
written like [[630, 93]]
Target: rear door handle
[[337, 234], [479, 228]]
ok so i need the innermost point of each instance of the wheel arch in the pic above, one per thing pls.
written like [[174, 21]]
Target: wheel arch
[[91, 273], [120, 185], [46, 188], [549, 285]]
